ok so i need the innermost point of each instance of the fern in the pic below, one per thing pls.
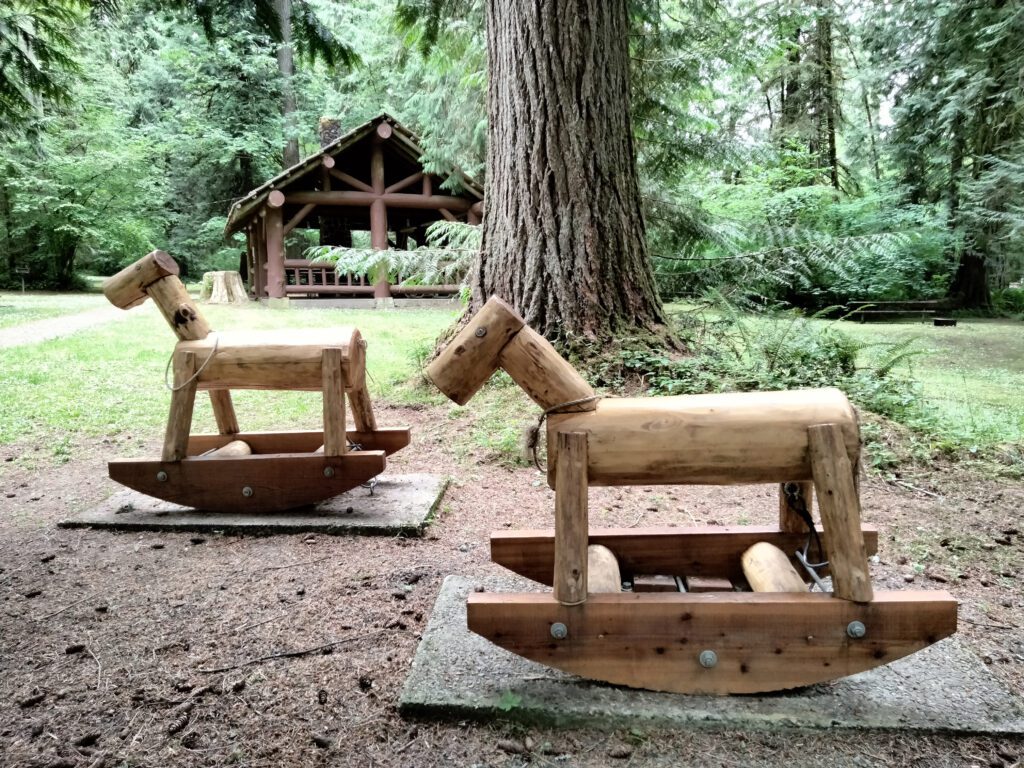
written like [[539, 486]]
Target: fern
[[446, 259]]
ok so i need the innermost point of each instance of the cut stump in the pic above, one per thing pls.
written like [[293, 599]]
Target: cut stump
[[224, 287]]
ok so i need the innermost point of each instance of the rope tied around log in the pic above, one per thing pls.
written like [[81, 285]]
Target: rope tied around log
[[199, 370], [533, 436]]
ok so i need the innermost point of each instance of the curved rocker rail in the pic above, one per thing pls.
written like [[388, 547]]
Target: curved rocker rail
[[257, 483], [761, 642]]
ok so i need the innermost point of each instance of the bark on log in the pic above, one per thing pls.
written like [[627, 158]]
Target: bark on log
[[564, 234]]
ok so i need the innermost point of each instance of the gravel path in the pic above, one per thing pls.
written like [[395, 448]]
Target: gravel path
[[44, 330]]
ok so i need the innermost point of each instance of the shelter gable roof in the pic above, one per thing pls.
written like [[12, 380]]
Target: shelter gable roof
[[403, 142]]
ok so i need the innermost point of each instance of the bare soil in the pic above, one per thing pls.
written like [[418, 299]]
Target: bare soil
[[153, 649]]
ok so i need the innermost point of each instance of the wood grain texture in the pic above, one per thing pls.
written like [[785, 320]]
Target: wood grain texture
[[764, 642], [768, 569], [389, 440], [127, 288], [277, 481], [178, 309], [469, 359], [224, 411], [183, 400], [333, 388], [362, 409], [544, 374], [571, 520], [713, 551], [276, 360], [718, 439], [839, 506]]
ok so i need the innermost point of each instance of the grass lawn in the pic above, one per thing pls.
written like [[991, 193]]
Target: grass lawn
[[971, 375], [17, 308], [109, 380]]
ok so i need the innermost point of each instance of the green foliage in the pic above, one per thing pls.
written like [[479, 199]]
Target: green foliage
[[82, 194], [37, 58], [446, 259], [1009, 301]]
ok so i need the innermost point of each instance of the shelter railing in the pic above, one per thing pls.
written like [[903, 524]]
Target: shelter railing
[[306, 278]]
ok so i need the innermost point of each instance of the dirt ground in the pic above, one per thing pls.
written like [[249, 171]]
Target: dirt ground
[[141, 649]]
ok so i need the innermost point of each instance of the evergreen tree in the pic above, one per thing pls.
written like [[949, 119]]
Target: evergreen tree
[[956, 82]]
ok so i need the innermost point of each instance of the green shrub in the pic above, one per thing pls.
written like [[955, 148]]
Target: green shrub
[[1009, 302]]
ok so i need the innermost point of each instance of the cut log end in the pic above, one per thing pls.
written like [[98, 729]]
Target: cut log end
[[127, 288]]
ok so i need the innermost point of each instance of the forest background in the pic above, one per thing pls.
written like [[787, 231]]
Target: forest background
[[800, 152]]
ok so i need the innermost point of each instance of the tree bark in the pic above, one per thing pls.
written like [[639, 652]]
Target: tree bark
[[828, 103], [564, 234], [286, 65]]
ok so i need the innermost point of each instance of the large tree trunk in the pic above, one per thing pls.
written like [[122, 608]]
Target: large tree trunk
[[970, 283], [828, 102], [563, 231], [286, 65]]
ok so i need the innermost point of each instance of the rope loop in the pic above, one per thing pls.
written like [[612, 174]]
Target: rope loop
[[534, 436], [194, 376]]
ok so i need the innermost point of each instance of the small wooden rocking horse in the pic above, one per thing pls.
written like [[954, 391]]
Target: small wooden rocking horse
[[255, 471], [778, 636]]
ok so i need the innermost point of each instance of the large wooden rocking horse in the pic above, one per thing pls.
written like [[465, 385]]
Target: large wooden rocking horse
[[778, 636], [254, 471]]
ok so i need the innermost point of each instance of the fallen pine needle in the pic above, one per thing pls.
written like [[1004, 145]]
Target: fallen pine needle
[[296, 565], [290, 654], [61, 610]]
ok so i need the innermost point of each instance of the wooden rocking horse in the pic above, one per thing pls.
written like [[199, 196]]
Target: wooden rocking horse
[[253, 471], [778, 636]]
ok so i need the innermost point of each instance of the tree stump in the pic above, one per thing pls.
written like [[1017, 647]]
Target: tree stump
[[224, 287]]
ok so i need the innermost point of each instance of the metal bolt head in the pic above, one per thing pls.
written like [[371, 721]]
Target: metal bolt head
[[247, 491], [161, 476], [856, 629], [559, 631], [481, 332], [328, 471], [708, 659]]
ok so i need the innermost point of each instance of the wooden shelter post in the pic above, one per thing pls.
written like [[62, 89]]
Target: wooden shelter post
[[275, 248], [379, 209]]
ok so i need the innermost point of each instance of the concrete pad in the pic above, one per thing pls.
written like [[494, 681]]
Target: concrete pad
[[459, 675], [399, 504]]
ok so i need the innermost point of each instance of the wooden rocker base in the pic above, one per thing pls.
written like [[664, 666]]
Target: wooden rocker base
[[283, 472], [259, 483], [760, 642]]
